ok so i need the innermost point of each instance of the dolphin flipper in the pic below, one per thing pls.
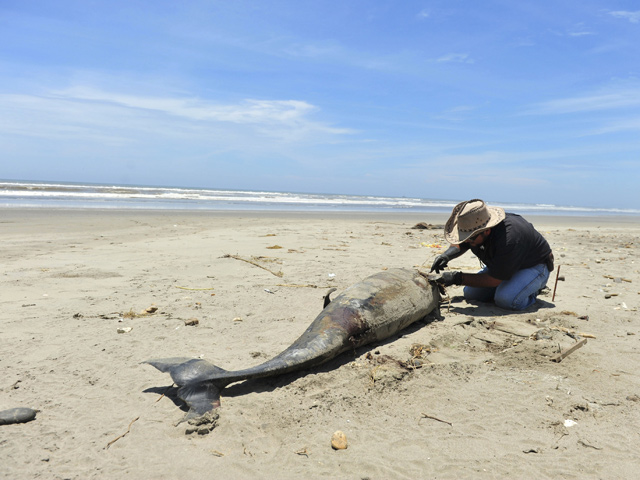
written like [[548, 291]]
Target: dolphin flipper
[[327, 299]]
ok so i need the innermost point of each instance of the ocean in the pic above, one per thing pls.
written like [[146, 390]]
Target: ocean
[[28, 194]]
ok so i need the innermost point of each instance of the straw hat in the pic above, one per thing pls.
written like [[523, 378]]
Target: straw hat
[[469, 218]]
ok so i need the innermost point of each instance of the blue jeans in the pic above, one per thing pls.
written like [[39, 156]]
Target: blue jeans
[[517, 293]]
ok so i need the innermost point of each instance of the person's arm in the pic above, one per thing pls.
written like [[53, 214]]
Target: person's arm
[[468, 279]]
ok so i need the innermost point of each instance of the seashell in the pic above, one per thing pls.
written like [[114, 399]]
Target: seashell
[[339, 440]]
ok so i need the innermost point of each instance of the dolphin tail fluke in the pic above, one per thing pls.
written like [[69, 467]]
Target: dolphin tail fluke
[[166, 364], [201, 398], [199, 382]]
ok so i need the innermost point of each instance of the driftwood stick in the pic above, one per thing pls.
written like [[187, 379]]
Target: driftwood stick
[[118, 438], [424, 415], [556, 284], [568, 351], [237, 257]]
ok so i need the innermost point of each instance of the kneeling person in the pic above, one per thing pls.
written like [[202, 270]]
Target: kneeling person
[[516, 256]]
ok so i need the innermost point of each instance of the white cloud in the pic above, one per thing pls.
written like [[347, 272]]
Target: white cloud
[[248, 111], [633, 17], [616, 99], [629, 124], [88, 114], [456, 58], [424, 14], [580, 33]]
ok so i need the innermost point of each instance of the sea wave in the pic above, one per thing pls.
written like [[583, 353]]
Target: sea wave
[[75, 195]]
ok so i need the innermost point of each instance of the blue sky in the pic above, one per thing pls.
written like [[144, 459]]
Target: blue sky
[[527, 101]]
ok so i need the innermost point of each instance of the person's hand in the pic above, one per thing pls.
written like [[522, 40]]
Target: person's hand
[[446, 279], [443, 259], [440, 263]]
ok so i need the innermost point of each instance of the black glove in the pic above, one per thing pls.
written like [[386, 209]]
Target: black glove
[[447, 279], [443, 259]]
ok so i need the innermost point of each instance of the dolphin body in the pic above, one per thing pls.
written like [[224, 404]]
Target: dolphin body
[[374, 309]]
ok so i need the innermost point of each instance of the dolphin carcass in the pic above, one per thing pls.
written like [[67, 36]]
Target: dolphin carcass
[[374, 309]]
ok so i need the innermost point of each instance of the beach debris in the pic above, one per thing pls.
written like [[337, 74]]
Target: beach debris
[[609, 295], [17, 415], [124, 329], [572, 333], [417, 350], [120, 436], [542, 334], [237, 319], [430, 245], [269, 291], [131, 314], [332, 275], [617, 279], [427, 226], [570, 423], [191, 322], [303, 451], [568, 351], [274, 247], [216, 453], [555, 285], [203, 424], [418, 353], [339, 440], [431, 417], [237, 257], [531, 450], [307, 285]]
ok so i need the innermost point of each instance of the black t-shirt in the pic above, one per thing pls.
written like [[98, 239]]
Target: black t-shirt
[[512, 245]]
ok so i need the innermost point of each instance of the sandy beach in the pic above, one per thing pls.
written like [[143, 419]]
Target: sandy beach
[[488, 401]]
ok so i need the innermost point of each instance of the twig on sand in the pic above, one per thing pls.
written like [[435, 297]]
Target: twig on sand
[[237, 257], [424, 415], [118, 438], [556, 284], [303, 451], [558, 358]]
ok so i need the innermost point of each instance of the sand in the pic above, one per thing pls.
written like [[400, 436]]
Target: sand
[[487, 403]]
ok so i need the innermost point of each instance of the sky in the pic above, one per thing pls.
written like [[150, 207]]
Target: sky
[[534, 101]]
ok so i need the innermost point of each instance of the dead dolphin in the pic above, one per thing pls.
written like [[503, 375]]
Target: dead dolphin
[[372, 310]]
